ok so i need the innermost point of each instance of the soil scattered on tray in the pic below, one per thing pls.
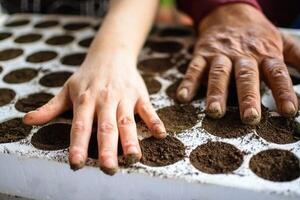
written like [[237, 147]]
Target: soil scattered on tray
[[6, 96], [55, 79], [175, 32], [152, 84], [229, 126], [164, 46], [33, 101], [76, 26], [9, 54], [19, 22], [279, 130], [60, 40], [86, 42], [46, 24], [28, 38], [5, 35], [216, 158], [41, 56], [155, 65], [52, 137], [13, 130], [276, 165], [22, 75], [157, 153], [75, 59], [178, 118]]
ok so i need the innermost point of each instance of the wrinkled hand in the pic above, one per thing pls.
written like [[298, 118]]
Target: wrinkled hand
[[238, 39], [110, 91]]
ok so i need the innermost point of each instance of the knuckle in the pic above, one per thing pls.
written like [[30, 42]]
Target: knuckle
[[277, 70], [219, 70], [105, 94], [126, 121], [246, 73], [106, 127], [84, 98], [78, 126]]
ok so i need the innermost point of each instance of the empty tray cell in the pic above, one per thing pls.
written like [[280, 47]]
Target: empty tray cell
[[164, 46], [22, 75], [86, 42], [28, 38], [46, 24], [152, 84], [161, 152], [6, 96], [33, 101], [5, 35], [216, 158], [41, 56], [9, 54], [55, 79], [75, 59], [13, 130], [229, 126], [155, 65], [276, 165], [17, 22], [175, 32], [76, 26], [60, 40]]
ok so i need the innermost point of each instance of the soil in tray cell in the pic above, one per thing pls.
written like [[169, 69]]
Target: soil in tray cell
[[52, 137], [55, 79], [13, 130], [1, 69], [175, 32], [86, 42], [5, 35], [60, 40], [28, 38], [295, 80], [164, 46], [41, 56], [76, 26], [22, 75], [9, 54], [276, 165], [152, 84], [216, 158], [163, 152], [46, 24], [16, 23], [33, 101], [75, 59], [155, 65], [6, 96]]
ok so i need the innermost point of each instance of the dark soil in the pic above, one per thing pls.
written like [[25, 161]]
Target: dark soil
[[230, 126], [20, 75], [279, 130], [6, 96], [5, 35], [13, 130], [191, 49], [155, 65], [152, 84], [175, 32], [33, 101], [76, 26], [9, 54], [41, 56], [75, 59], [295, 80], [60, 40], [86, 42], [52, 137], [46, 24], [28, 38], [216, 158], [178, 118], [276, 165], [1, 69], [67, 114], [164, 46], [96, 27], [163, 152], [55, 79], [184, 66], [15, 23]]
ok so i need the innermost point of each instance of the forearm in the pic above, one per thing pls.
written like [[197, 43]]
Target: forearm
[[124, 29]]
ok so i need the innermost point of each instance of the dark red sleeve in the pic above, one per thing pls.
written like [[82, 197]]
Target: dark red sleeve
[[198, 9]]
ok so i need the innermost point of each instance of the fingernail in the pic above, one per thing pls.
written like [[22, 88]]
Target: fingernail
[[183, 94], [109, 167], [160, 132], [251, 116], [132, 155], [77, 162], [214, 110], [288, 109]]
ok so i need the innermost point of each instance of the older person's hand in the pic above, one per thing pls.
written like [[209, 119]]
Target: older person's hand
[[239, 39]]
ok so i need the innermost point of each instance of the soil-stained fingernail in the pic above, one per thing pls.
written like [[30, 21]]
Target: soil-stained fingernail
[[214, 110], [132, 155], [182, 95], [109, 167], [251, 116], [77, 162], [288, 109]]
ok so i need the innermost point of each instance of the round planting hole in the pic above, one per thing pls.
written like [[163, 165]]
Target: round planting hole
[[86, 42], [275, 165], [55, 79], [28, 38], [9, 54], [52, 137], [5, 35], [46, 24], [22, 75], [19, 22], [155, 65], [164, 46], [163, 152], [41, 56], [152, 84], [75, 59], [6, 96], [60, 40], [13, 130], [33, 101], [216, 158], [76, 26]]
